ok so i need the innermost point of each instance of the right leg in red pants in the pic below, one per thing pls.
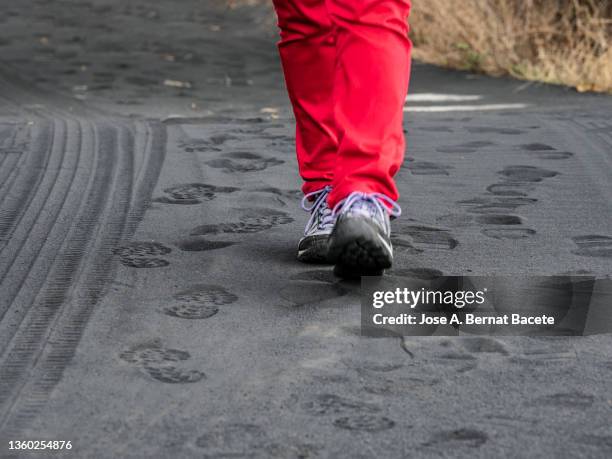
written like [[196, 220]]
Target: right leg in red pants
[[308, 54]]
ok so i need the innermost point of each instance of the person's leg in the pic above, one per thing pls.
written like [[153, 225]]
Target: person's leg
[[370, 86], [308, 56]]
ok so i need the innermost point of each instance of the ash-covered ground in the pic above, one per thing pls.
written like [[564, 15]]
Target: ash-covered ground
[[150, 301]]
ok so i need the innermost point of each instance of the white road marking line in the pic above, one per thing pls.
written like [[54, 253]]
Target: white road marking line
[[465, 108], [431, 97]]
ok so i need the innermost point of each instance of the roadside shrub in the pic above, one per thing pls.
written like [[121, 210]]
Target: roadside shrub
[[556, 41]]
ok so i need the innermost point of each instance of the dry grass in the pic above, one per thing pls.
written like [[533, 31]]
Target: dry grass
[[557, 41]]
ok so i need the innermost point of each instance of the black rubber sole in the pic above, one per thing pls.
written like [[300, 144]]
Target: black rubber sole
[[356, 249], [314, 249]]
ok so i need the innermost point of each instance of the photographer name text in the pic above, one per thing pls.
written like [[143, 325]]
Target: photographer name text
[[462, 319]]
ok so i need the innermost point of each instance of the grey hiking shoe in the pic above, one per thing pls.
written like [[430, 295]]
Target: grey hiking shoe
[[312, 248], [360, 244]]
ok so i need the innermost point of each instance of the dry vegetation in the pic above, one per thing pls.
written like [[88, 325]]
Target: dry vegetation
[[557, 41]]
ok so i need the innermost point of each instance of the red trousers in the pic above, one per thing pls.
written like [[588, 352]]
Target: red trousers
[[347, 66]]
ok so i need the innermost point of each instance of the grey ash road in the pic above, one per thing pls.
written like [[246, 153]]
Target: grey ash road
[[150, 303]]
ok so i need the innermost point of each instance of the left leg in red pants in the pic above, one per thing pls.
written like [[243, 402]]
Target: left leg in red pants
[[308, 54], [370, 86]]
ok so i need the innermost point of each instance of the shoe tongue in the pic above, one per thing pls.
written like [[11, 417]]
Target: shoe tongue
[[364, 207]]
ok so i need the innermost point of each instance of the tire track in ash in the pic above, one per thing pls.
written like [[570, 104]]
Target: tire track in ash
[[20, 249], [54, 267], [13, 140], [29, 326], [21, 188]]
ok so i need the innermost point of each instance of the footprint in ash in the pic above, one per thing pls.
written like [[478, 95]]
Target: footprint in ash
[[469, 147], [243, 161], [499, 219], [593, 245], [352, 414], [143, 254], [173, 375], [511, 188], [495, 204], [428, 168], [504, 226], [199, 244], [508, 233], [544, 151], [555, 155], [193, 193], [367, 423], [426, 237], [253, 221], [494, 130], [331, 404], [437, 129], [152, 353], [450, 440], [199, 302], [572, 399], [497, 211], [161, 363], [220, 139], [536, 147], [527, 173], [279, 142], [199, 146]]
